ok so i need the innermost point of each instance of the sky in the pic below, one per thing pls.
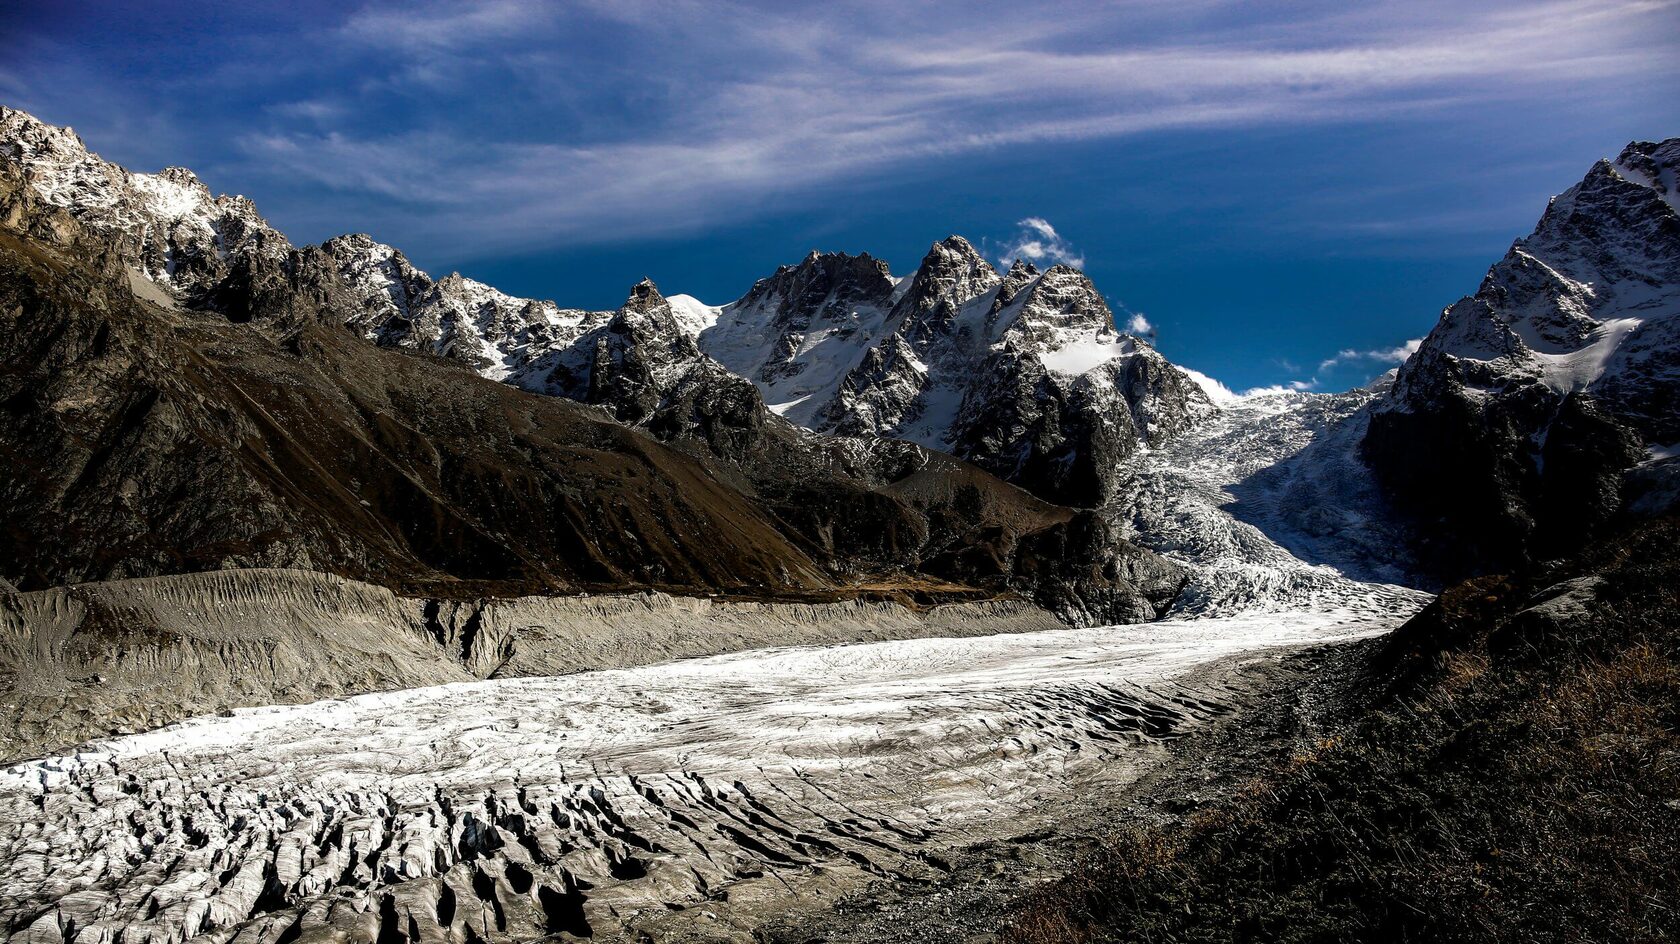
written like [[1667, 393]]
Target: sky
[[1281, 194]]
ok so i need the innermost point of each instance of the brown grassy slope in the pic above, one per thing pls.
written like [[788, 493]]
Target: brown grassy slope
[[1517, 779]]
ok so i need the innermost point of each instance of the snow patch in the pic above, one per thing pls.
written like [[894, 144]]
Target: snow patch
[[169, 199], [692, 314], [1576, 370], [1076, 359], [781, 409]]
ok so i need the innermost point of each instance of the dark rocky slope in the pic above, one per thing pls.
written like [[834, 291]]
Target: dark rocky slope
[[140, 440]]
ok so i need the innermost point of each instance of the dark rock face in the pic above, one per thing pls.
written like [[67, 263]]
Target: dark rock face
[[645, 370], [1512, 427], [1067, 441], [151, 427]]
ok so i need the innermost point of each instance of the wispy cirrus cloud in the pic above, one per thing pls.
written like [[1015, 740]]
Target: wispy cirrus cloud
[[439, 27], [522, 121]]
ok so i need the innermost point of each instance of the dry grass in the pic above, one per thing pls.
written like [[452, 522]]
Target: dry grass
[[1519, 782]]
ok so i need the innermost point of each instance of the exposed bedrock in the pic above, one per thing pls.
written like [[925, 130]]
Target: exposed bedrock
[[128, 655]]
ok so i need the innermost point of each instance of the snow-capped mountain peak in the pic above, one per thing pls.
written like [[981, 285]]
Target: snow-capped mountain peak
[[1587, 303], [1024, 373], [950, 357], [1519, 413], [175, 232]]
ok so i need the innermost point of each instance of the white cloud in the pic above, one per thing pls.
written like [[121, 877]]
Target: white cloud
[[1221, 394], [1040, 226], [1388, 355], [1139, 325], [1293, 386], [1216, 391], [1039, 243]]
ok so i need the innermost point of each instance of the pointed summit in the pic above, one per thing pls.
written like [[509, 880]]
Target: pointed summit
[[954, 245], [183, 176], [951, 273], [956, 257], [1020, 271], [644, 297]]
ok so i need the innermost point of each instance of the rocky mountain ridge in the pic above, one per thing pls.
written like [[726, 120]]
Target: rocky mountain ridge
[[181, 395], [1541, 405], [1023, 373]]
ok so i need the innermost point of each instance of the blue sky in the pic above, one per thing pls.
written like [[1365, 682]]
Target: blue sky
[[1285, 192]]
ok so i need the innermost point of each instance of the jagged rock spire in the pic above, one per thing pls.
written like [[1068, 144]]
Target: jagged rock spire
[[644, 296]]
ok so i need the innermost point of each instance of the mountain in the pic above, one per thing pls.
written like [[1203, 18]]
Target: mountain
[[1024, 374], [1545, 402], [178, 392]]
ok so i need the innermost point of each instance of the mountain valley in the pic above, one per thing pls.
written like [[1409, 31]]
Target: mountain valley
[[341, 603]]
